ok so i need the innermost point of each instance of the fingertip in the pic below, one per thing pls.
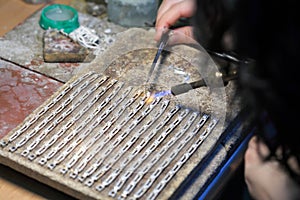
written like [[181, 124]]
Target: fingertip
[[157, 36], [182, 35], [158, 32]]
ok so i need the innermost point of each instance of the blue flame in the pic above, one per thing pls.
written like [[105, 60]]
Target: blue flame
[[162, 93]]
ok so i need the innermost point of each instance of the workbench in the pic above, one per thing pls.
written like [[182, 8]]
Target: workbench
[[22, 57]]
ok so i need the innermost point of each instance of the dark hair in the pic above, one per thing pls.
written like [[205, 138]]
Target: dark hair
[[269, 33]]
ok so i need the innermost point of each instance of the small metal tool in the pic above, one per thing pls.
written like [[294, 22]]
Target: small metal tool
[[185, 87], [163, 42], [231, 74]]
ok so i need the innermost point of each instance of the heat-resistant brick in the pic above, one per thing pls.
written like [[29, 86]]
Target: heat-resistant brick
[[60, 48]]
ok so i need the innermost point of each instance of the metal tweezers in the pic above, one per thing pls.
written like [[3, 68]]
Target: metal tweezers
[[163, 42]]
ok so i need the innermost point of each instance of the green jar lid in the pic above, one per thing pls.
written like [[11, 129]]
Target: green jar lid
[[60, 17]]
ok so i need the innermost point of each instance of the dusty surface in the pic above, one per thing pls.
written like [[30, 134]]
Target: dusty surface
[[126, 56], [133, 52], [23, 148], [24, 45]]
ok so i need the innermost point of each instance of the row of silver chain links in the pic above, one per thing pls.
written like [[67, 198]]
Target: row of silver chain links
[[111, 138]]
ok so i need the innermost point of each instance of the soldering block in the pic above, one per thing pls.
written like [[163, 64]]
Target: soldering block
[[60, 48]]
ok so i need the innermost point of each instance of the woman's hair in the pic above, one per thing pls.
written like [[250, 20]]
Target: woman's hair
[[269, 33]]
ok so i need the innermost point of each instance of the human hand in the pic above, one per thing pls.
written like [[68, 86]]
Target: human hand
[[267, 179], [169, 12]]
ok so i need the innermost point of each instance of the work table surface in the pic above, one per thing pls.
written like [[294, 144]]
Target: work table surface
[[27, 81]]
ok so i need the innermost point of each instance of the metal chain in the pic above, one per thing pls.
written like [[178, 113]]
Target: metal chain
[[150, 150], [130, 142], [139, 147], [111, 146], [94, 139], [132, 155], [89, 118], [92, 153], [72, 121], [158, 188]]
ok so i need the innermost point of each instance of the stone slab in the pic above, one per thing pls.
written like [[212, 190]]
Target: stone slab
[[60, 48]]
